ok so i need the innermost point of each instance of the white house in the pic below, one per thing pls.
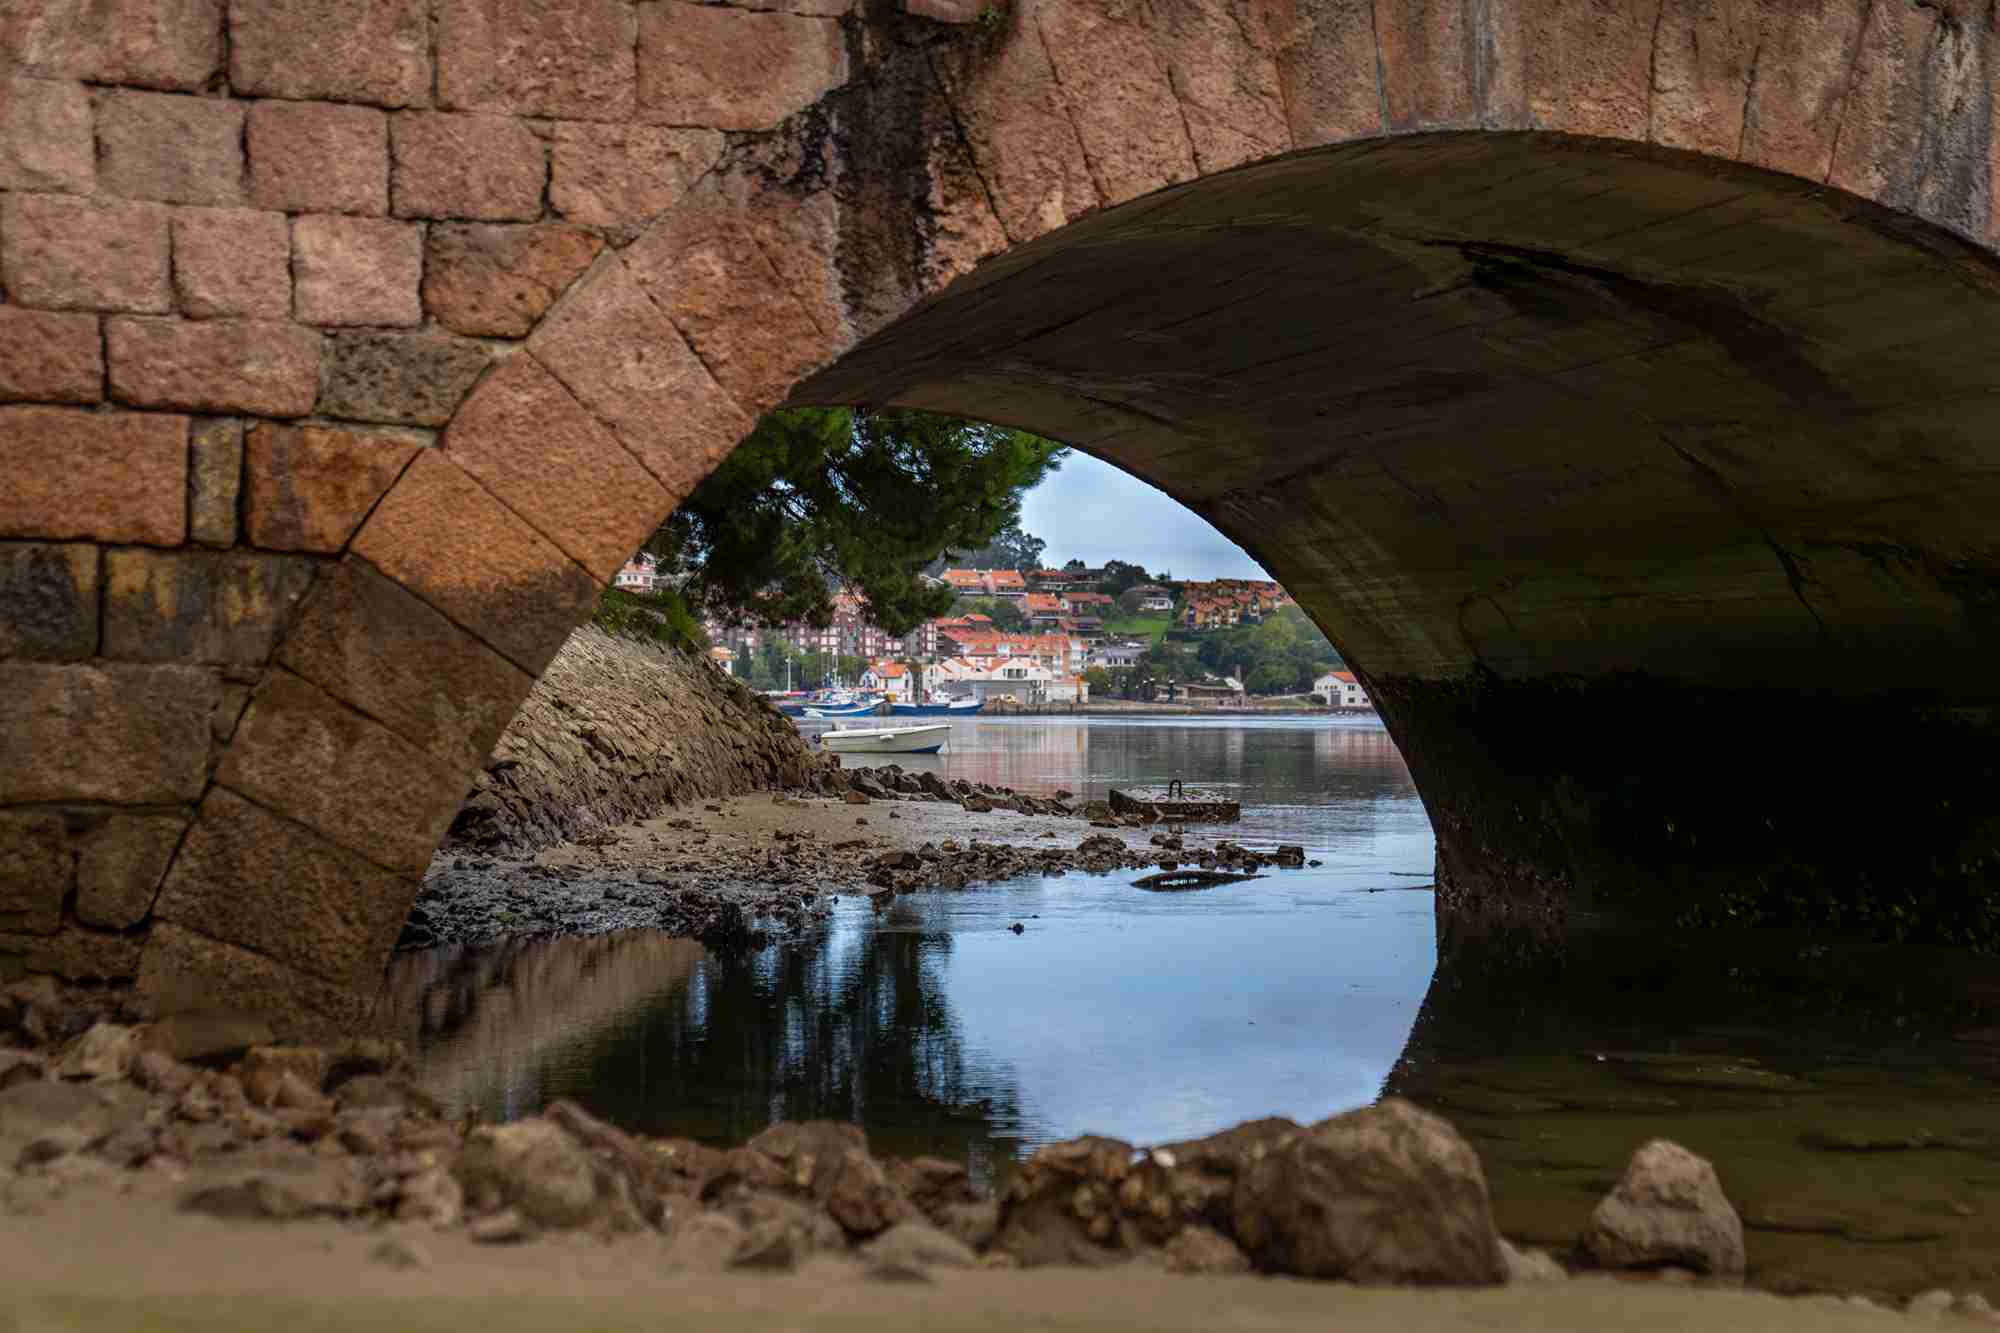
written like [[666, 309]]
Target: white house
[[640, 574], [1068, 690], [892, 678], [1341, 690], [1117, 654]]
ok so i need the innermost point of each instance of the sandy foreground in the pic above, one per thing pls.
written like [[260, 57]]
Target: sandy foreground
[[86, 1263]]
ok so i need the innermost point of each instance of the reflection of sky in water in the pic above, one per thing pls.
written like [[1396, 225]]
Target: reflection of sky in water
[[1146, 1016]]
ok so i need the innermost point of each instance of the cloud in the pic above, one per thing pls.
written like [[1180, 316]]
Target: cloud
[[1093, 512]]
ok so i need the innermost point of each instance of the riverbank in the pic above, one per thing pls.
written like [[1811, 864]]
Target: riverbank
[[731, 869], [145, 1168]]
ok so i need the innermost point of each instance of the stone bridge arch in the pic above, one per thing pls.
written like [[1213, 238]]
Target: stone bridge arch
[[1596, 373]]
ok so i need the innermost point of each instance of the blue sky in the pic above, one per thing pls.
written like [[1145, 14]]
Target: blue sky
[[1093, 512]]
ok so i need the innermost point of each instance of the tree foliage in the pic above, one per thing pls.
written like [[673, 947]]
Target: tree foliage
[[1010, 548], [1282, 655], [1005, 613], [817, 498]]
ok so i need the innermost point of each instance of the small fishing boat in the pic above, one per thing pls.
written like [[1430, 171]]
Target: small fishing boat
[[927, 739], [860, 709], [950, 708]]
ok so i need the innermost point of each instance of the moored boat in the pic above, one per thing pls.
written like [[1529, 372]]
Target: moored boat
[[927, 739], [861, 709], [953, 708]]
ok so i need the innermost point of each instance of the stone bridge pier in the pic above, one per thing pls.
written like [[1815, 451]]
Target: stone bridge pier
[[1618, 384]]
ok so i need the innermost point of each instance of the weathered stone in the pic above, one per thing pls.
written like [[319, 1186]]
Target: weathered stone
[[303, 753], [1065, 1203], [288, 1188], [860, 1197], [527, 58], [625, 360], [45, 136], [734, 69], [1530, 1265], [125, 734], [104, 1051], [37, 868], [533, 1167], [249, 878], [307, 488], [172, 148], [119, 865], [199, 606], [232, 262], [319, 157], [112, 476], [1199, 1249], [467, 166], [374, 645], [75, 954], [497, 282], [1385, 1194], [413, 379], [146, 43], [376, 51], [623, 175], [1668, 1208], [534, 446], [357, 270], [1116, 49], [262, 367], [47, 357], [944, 11], [215, 475], [203, 1036], [1588, 72], [48, 600], [909, 1250], [433, 1196], [84, 254]]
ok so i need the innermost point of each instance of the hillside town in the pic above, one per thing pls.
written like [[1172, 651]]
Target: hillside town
[[1044, 637]]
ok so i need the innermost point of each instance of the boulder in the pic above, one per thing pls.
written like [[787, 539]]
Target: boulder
[[909, 1250], [1085, 1201], [1667, 1209], [1199, 1249], [1386, 1194], [1530, 1265], [105, 1051], [281, 1188], [533, 1167], [206, 1036]]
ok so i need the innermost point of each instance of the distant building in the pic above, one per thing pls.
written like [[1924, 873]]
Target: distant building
[[1153, 597], [1226, 691], [640, 574], [1117, 655], [724, 659], [892, 678], [1043, 607], [1006, 583], [1341, 690]]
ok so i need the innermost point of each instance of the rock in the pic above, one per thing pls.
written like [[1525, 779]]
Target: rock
[[502, 1228], [1385, 1194], [286, 1189], [49, 1145], [20, 1067], [1199, 1249], [104, 1052], [778, 1233], [1530, 1265], [1933, 1304], [206, 1036], [707, 1240], [854, 797], [158, 1072], [1065, 1204], [977, 805], [1667, 1209], [909, 1250], [398, 1250], [432, 1196], [531, 1166], [262, 1067], [30, 1108], [974, 1223]]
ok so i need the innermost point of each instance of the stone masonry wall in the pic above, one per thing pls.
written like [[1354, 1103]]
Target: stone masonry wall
[[618, 730]]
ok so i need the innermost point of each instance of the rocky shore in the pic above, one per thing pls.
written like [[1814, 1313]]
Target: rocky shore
[[732, 869], [201, 1115]]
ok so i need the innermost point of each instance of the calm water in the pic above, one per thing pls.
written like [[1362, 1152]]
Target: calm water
[[1848, 1097]]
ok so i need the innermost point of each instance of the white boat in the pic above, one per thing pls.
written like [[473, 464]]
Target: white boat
[[888, 740]]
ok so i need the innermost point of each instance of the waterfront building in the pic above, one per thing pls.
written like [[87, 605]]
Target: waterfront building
[[1341, 690]]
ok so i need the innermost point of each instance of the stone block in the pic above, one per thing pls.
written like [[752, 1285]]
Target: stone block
[[734, 69], [307, 488], [107, 476], [84, 254], [182, 970], [624, 175], [37, 867], [529, 58], [45, 136], [319, 157], [373, 644], [357, 270], [439, 534], [261, 367], [232, 262], [48, 600], [119, 865], [1016, 121], [215, 476], [175, 149], [74, 954], [199, 606], [496, 282], [303, 753], [627, 362], [1588, 70], [466, 166], [114, 732], [413, 379], [525, 439], [374, 51], [46, 357], [172, 44]]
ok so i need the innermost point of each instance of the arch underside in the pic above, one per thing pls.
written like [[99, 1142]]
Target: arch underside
[[1652, 496]]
